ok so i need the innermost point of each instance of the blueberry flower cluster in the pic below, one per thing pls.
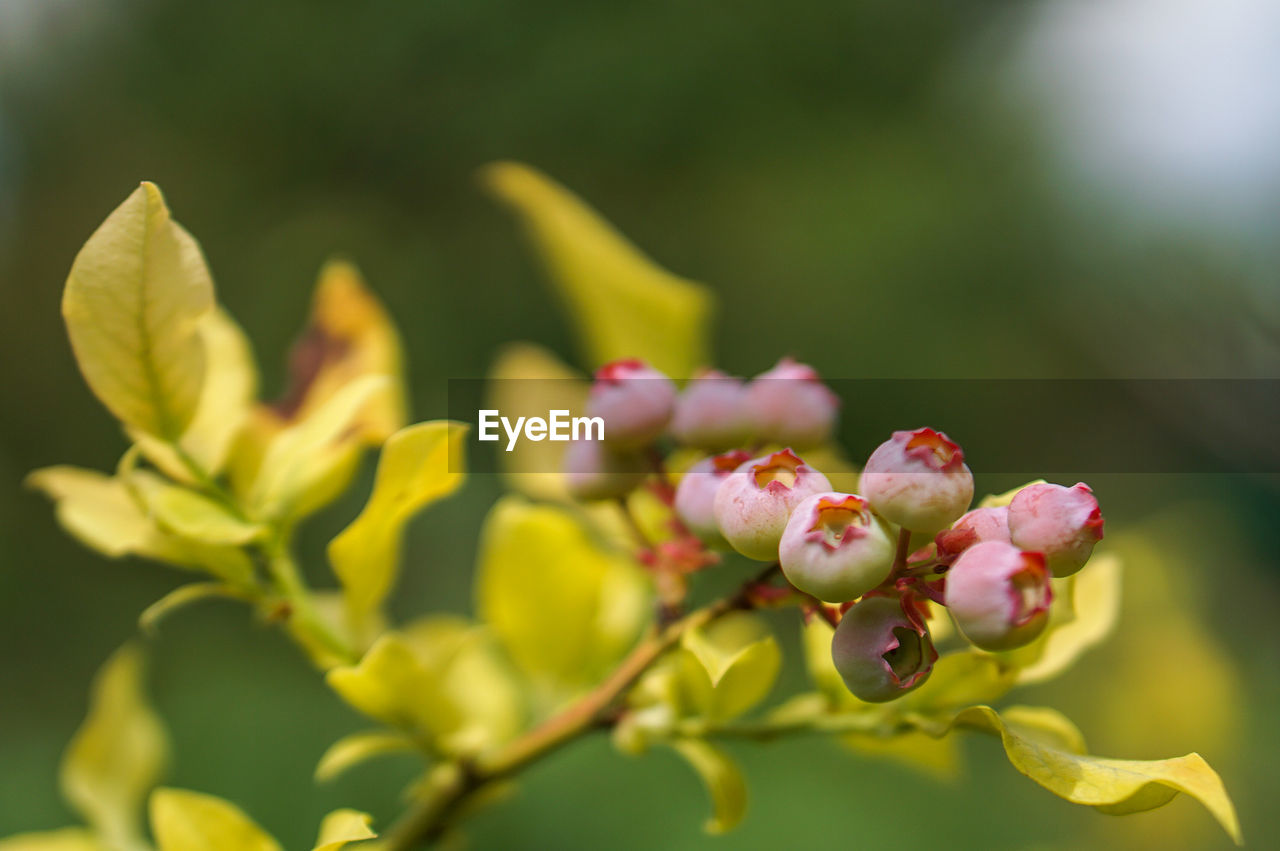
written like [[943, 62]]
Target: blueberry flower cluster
[[872, 562]]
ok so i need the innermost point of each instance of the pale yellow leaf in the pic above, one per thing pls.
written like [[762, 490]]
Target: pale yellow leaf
[[230, 385], [305, 456], [136, 292], [729, 666], [184, 595], [527, 381], [187, 514], [419, 465], [342, 826], [622, 304], [543, 584], [1083, 615], [65, 839], [390, 684], [192, 821], [349, 336], [117, 755], [1046, 747], [350, 751], [101, 512], [475, 678], [723, 780]]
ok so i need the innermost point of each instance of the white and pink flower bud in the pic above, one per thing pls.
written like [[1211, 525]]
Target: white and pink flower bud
[[918, 480], [710, 413], [999, 595], [634, 400], [696, 494], [755, 501], [880, 653], [790, 405], [1063, 523], [834, 548], [595, 471], [981, 524]]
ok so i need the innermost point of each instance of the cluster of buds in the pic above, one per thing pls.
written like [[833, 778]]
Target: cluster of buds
[[715, 412], [849, 555]]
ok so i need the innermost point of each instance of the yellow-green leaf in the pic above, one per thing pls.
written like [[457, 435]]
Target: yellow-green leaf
[[65, 839], [184, 595], [349, 336], [342, 826], [117, 755], [723, 779], [302, 458], [230, 385], [392, 685], [474, 676], [729, 666], [622, 303], [1084, 612], [136, 292], [102, 513], [564, 607], [190, 515], [192, 821], [419, 465], [527, 380], [356, 748], [1046, 747]]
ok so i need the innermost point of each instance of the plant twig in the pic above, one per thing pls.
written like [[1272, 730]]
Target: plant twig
[[434, 813]]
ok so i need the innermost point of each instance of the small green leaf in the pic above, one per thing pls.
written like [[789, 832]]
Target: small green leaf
[[730, 666], [101, 512], [723, 779], [475, 677], [66, 839], [117, 755], [419, 465], [184, 595], [623, 304], [350, 751], [564, 607], [1085, 608], [190, 515], [192, 821], [390, 684], [230, 385], [135, 294], [302, 459], [342, 826], [1048, 748]]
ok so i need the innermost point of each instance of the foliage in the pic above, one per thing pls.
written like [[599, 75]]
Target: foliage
[[566, 638]]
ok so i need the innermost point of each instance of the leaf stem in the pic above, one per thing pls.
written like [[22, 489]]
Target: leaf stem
[[434, 813]]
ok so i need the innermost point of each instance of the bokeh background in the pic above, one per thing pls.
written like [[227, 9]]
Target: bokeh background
[[965, 189]]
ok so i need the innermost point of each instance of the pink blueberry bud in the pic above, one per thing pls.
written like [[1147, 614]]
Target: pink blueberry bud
[[880, 653], [1063, 523], [981, 524], [596, 471], [634, 400], [696, 494], [999, 595], [834, 548], [710, 413], [918, 479], [754, 502], [789, 404]]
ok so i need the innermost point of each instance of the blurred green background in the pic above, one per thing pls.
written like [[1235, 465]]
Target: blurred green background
[[965, 189]]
